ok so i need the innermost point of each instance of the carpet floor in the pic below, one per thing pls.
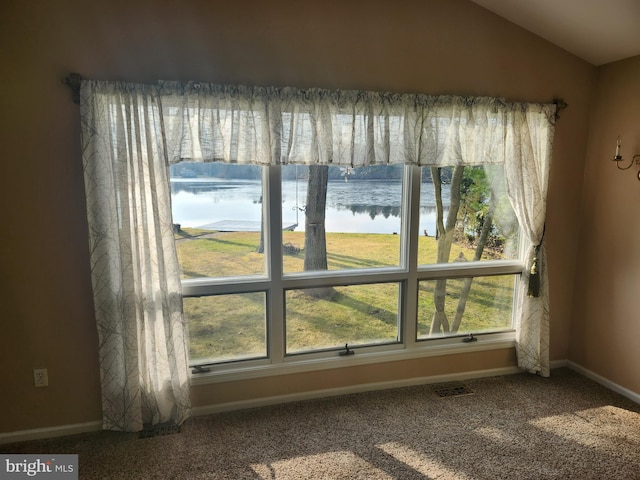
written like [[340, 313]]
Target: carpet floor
[[510, 427]]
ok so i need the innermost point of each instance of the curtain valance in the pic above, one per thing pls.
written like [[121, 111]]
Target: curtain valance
[[271, 125]]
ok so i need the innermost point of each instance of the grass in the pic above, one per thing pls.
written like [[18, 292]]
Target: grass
[[357, 314], [226, 327], [488, 306], [233, 326]]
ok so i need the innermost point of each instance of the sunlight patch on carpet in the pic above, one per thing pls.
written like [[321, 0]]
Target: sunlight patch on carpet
[[496, 435], [608, 429], [330, 465], [421, 463]]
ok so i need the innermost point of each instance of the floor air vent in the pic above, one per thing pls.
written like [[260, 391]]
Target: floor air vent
[[158, 430], [451, 389]]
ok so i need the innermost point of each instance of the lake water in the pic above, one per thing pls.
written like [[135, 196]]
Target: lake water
[[356, 206]]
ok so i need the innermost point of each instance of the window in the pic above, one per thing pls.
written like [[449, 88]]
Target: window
[[283, 262], [227, 327], [263, 293]]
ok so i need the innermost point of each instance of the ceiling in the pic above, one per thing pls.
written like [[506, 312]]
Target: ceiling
[[598, 31]]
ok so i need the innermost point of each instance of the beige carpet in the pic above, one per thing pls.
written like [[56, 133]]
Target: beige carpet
[[511, 427]]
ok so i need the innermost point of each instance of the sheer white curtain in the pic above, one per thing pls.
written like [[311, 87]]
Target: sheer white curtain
[[268, 126], [132, 132], [134, 266], [528, 150]]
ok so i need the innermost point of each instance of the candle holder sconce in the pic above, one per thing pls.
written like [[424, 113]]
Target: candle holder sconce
[[635, 160]]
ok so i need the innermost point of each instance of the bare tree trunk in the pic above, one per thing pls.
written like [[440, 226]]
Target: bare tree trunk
[[260, 248], [315, 239], [444, 234], [466, 286]]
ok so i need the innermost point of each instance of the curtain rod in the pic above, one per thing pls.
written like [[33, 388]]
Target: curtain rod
[[74, 80]]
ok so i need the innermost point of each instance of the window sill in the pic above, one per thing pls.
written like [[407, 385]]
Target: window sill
[[297, 364]]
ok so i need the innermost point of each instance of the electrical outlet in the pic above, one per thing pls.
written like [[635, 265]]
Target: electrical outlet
[[40, 377]]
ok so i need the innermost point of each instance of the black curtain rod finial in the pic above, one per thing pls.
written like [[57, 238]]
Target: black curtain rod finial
[[73, 82], [560, 105]]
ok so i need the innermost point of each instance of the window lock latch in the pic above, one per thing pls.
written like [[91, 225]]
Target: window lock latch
[[470, 338], [200, 369], [346, 351]]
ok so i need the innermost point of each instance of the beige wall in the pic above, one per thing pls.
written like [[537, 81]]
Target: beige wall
[[605, 333], [428, 46]]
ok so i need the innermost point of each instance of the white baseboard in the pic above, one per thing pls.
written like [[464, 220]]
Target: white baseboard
[[49, 432], [558, 364], [334, 392], [630, 394], [62, 430]]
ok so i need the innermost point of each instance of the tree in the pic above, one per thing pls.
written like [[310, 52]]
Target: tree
[[315, 238], [444, 235], [487, 226], [471, 192], [260, 248]]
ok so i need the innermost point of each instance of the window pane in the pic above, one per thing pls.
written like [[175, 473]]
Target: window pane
[[217, 215], [226, 327], [483, 227], [339, 218], [331, 317], [465, 305]]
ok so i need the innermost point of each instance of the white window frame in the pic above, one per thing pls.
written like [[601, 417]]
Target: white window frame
[[275, 283]]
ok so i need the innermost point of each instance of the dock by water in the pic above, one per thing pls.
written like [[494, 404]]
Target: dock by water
[[240, 226]]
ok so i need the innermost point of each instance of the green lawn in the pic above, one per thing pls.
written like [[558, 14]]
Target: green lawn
[[232, 326]]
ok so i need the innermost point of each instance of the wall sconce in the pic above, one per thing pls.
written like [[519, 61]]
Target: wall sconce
[[618, 158]]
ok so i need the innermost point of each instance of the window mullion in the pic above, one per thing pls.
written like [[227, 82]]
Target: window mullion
[[273, 237], [411, 224]]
